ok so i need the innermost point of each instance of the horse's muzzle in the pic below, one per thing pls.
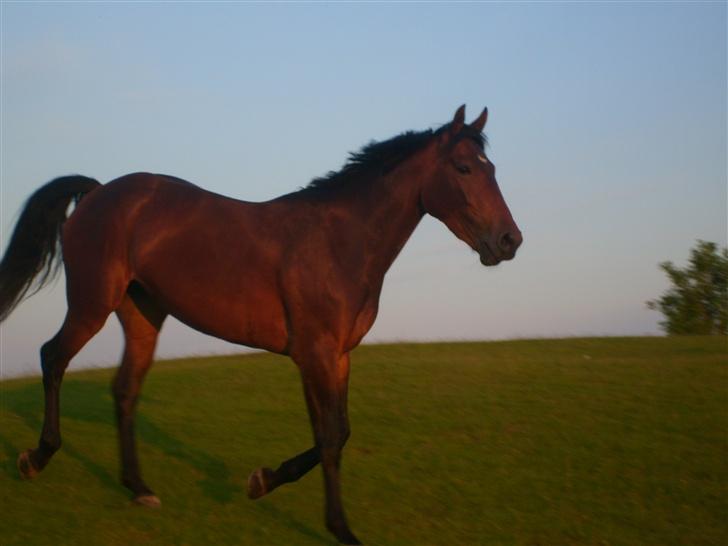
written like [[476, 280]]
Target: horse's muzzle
[[502, 249]]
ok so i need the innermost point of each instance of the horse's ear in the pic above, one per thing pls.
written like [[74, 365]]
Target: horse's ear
[[458, 121], [479, 123]]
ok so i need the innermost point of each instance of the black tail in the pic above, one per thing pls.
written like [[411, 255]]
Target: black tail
[[33, 249]]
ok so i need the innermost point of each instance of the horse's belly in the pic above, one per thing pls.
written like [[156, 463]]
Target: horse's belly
[[247, 319], [218, 296], [212, 271]]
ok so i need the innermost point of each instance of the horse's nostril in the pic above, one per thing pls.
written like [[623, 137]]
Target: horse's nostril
[[506, 242], [509, 242]]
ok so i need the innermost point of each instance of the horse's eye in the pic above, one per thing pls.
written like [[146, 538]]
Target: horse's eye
[[462, 169]]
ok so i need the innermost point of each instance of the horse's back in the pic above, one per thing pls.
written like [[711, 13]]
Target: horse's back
[[207, 259], [135, 209]]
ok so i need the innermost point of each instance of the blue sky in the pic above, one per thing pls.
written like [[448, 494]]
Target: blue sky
[[607, 125]]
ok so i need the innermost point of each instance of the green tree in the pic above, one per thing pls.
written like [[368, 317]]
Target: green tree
[[697, 302]]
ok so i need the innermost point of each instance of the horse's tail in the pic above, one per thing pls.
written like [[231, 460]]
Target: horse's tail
[[33, 250]]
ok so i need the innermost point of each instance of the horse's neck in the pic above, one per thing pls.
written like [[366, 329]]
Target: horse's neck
[[389, 209]]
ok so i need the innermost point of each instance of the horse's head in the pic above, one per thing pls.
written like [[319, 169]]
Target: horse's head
[[464, 194]]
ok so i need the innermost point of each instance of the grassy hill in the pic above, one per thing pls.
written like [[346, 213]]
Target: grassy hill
[[552, 442]]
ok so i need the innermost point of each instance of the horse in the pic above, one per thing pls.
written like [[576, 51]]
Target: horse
[[299, 275]]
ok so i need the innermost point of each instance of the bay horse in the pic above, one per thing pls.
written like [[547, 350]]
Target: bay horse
[[299, 275]]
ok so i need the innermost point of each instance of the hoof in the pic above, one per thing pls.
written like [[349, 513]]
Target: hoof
[[259, 482], [347, 537], [25, 467], [342, 533], [150, 501]]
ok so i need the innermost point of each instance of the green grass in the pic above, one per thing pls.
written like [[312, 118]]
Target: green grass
[[553, 442]]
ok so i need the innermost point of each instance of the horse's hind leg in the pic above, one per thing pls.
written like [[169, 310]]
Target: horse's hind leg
[[79, 326], [141, 320]]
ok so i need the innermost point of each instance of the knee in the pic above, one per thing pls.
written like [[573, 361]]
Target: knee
[[123, 398], [117, 389], [335, 438], [345, 433]]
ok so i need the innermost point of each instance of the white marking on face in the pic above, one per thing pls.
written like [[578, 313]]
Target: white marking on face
[[482, 159]]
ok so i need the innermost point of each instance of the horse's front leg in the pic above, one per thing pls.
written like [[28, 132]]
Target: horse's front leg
[[264, 480], [325, 384]]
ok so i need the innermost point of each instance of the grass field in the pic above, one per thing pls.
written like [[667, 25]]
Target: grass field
[[553, 442]]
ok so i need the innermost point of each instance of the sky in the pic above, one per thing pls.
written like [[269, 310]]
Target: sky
[[607, 125]]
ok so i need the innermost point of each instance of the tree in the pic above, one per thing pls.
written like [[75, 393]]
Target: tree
[[697, 302]]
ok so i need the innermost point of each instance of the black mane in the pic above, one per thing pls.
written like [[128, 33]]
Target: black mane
[[379, 158]]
